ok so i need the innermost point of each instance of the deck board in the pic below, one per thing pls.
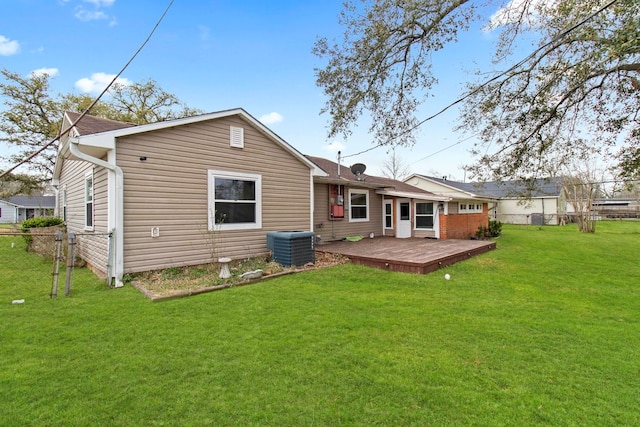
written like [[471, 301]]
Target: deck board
[[411, 255]]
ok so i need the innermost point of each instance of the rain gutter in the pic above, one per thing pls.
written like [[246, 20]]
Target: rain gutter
[[117, 235]]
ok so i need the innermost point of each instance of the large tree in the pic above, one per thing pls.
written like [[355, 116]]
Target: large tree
[[32, 116], [578, 92]]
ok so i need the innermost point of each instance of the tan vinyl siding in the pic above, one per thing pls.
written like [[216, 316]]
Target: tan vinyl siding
[[169, 190], [92, 246], [338, 229]]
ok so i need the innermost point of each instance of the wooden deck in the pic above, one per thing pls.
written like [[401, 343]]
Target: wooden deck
[[412, 255]]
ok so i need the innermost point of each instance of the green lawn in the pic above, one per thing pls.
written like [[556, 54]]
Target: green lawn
[[545, 330]]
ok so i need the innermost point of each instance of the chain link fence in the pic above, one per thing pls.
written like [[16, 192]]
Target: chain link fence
[[50, 256], [531, 219]]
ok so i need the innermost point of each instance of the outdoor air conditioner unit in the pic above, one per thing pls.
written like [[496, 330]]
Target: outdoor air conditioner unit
[[292, 248]]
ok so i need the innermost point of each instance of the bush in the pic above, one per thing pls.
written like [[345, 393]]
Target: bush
[[42, 221], [495, 228], [39, 222]]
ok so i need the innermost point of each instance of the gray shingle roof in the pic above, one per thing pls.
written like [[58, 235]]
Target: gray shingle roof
[[91, 124], [542, 187], [331, 168], [48, 202]]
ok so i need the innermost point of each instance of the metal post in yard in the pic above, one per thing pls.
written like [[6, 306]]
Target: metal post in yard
[[70, 261], [56, 264]]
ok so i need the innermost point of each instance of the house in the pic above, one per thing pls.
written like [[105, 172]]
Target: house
[[16, 209], [179, 192], [350, 203], [540, 201], [616, 207]]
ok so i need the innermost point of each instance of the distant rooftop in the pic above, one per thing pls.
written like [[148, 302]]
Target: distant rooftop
[[542, 187]]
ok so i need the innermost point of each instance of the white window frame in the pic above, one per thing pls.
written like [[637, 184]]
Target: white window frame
[[432, 215], [89, 198], [366, 194], [213, 174], [469, 208]]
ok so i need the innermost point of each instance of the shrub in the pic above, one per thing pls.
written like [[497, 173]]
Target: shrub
[[42, 221], [495, 228], [39, 222]]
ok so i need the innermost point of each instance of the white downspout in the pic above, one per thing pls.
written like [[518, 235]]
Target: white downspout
[[118, 261]]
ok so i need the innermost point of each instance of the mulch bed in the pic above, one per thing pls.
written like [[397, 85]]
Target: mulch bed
[[156, 286]]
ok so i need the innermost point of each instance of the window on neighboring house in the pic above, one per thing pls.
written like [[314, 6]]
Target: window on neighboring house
[[0, 212], [470, 207], [64, 202], [88, 200], [358, 205], [424, 215], [235, 200]]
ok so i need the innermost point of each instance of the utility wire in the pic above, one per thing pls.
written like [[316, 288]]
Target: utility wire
[[95, 101], [491, 80]]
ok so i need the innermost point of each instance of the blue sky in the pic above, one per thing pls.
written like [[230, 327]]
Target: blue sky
[[215, 55]]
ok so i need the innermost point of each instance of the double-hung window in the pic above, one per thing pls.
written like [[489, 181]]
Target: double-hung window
[[424, 215], [358, 205], [88, 200], [235, 200]]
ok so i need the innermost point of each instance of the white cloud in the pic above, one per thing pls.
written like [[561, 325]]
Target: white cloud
[[101, 3], [8, 47], [271, 118], [95, 14], [526, 11], [90, 15], [334, 146], [98, 81], [42, 71]]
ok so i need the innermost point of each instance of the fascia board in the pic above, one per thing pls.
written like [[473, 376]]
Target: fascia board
[[99, 140], [409, 195]]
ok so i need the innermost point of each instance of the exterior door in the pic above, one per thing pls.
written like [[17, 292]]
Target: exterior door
[[403, 209]]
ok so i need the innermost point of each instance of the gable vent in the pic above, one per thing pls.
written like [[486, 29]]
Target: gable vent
[[237, 137]]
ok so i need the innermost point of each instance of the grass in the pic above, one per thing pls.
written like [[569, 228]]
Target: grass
[[545, 330]]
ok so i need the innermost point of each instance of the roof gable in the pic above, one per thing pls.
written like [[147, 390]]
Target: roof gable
[[96, 136]]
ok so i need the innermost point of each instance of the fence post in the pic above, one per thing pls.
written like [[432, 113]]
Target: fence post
[[70, 262], [56, 264]]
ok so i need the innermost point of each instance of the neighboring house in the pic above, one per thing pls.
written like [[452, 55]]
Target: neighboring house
[[350, 205], [540, 202], [617, 207], [16, 209], [180, 192]]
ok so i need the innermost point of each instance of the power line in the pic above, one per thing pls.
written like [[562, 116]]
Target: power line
[[491, 80], [445, 148], [95, 101]]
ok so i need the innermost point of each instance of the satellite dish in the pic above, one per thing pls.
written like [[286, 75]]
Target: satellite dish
[[358, 169]]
